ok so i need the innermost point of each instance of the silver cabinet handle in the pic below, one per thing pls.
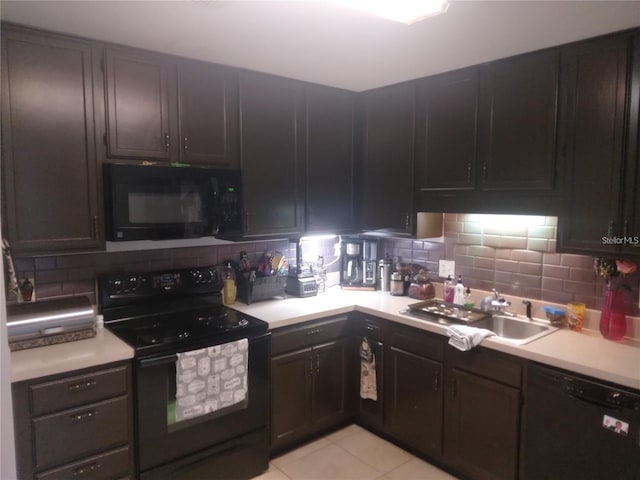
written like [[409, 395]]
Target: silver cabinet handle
[[83, 470], [81, 387], [85, 416]]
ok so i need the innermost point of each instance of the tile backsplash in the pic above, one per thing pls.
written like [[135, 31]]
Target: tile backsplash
[[514, 254], [66, 275]]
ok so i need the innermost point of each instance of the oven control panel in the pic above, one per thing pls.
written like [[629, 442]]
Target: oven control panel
[[120, 288]]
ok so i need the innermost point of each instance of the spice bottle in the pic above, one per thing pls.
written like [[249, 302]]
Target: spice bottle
[[396, 284]]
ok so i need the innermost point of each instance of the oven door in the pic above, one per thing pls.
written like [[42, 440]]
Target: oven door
[[160, 439]]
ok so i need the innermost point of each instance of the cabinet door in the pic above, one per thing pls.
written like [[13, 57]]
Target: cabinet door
[[367, 411], [446, 131], [270, 153], [518, 122], [387, 170], [482, 423], [594, 90], [414, 402], [138, 104], [631, 213], [49, 151], [207, 96], [330, 386], [290, 396], [330, 160]]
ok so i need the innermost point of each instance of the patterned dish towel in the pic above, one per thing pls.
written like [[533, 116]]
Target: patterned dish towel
[[368, 384], [209, 379]]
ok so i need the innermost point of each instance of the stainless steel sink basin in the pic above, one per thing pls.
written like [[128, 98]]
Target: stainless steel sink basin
[[518, 330]]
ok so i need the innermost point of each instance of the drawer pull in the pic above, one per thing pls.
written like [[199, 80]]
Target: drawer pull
[[81, 387], [92, 467], [370, 328], [85, 416], [314, 332]]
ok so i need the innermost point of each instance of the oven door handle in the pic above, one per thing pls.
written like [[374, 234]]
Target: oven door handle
[[150, 362]]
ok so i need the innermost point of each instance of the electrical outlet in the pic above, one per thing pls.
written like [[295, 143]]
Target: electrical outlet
[[446, 268]]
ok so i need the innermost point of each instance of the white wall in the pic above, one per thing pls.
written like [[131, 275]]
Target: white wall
[[7, 447]]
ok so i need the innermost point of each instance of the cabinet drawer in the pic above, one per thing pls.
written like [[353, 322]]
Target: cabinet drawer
[[418, 342], [489, 364], [106, 466], [72, 434], [79, 390], [368, 327], [298, 337]]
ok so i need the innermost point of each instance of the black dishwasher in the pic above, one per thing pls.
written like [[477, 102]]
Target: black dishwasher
[[579, 428]]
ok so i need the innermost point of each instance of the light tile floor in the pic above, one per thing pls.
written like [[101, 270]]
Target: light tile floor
[[352, 453]]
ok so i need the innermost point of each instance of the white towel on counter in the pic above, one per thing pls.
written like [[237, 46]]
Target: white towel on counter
[[210, 379], [464, 337], [368, 383]]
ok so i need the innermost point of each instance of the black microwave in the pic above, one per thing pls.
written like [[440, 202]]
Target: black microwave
[[157, 202]]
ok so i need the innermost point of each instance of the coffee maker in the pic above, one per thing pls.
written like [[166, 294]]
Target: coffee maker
[[358, 264], [301, 281]]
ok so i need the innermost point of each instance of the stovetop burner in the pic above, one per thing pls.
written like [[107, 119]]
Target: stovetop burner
[[173, 311], [178, 330]]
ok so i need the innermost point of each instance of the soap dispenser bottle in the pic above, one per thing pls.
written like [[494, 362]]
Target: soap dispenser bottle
[[468, 301], [458, 294], [448, 290]]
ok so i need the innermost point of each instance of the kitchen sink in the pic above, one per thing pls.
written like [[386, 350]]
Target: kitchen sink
[[514, 329], [518, 330]]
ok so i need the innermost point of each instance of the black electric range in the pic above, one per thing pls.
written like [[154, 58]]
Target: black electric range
[[163, 315]]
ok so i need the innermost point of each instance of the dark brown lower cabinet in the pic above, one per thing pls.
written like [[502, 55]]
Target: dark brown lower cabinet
[[482, 414], [75, 425], [415, 401], [414, 379], [460, 410], [369, 412], [309, 391]]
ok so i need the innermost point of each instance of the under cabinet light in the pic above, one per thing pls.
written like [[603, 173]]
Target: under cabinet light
[[403, 11]]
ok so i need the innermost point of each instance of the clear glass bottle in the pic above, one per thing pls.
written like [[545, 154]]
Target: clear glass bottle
[[229, 286]]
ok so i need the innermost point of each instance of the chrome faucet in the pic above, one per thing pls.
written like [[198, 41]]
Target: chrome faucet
[[494, 303]]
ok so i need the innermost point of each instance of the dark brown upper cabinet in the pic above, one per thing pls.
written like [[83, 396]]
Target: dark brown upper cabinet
[[48, 148], [517, 122], [596, 87], [330, 160], [631, 209], [208, 120], [138, 104], [447, 123], [170, 109], [272, 149], [486, 137], [386, 180]]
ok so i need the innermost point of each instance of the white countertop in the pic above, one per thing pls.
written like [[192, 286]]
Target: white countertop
[[104, 348], [585, 352]]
